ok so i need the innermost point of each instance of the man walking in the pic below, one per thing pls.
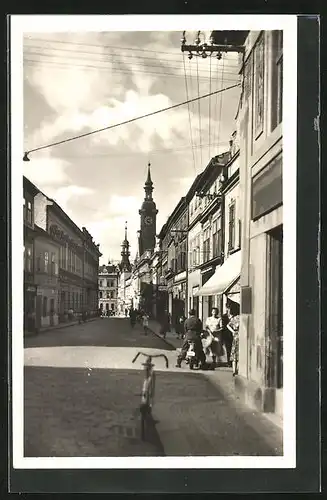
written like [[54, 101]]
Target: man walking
[[193, 330]]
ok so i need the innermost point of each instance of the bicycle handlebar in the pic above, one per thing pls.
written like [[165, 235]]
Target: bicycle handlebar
[[150, 356]]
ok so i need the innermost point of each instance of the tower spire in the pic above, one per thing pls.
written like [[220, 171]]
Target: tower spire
[[125, 253], [148, 187]]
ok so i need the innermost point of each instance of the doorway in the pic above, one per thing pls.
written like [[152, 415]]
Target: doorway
[[274, 372]]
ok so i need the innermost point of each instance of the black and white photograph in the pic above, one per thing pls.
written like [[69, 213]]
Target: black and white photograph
[[154, 199]]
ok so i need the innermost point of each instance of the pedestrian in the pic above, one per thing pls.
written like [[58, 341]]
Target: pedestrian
[[164, 328], [214, 328], [227, 336], [70, 314], [145, 319], [233, 326], [132, 316], [180, 320], [193, 329]]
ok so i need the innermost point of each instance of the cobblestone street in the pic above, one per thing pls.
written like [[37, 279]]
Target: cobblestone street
[[82, 394]]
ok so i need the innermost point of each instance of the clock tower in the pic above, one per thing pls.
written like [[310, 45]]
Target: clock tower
[[148, 213]]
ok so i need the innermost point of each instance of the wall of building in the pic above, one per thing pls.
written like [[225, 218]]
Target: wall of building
[[258, 147], [46, 279]]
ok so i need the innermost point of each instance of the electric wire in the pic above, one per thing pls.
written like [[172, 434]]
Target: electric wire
[[92, 132], [68, 66], [189, 114], [199, 110], [104, 57], [221, 101], [210, 112]]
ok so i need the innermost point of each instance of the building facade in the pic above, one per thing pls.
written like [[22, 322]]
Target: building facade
[[260, 123], [65, 264], [171, 266], [108, 289], [124, 274], [30, 286]]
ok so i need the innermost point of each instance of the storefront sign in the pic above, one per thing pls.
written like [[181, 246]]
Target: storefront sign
[[267, 188], [59, 235]]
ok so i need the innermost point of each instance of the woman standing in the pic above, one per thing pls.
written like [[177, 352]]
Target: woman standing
[[233, 326]]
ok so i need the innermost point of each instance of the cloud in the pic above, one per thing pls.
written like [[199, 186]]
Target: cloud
[[67, 193], [71, 100], [44, 171]]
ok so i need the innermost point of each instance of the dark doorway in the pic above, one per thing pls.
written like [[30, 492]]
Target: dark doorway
[[275, 308]]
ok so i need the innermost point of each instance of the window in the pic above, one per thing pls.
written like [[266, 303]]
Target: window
[[53, 263], [46, 262], [100, 283], [259, 87], [277, 79], [28, 258], [206, 245], [24, 209], [239, 233], [108, 295], [45, 307], [231, 227], [29, 212], [216, 237]]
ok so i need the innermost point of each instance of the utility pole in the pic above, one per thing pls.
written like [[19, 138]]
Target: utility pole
[[205, 50]]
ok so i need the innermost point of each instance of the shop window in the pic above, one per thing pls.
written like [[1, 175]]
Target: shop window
[[259, 87], [277, 78], [45, 306], [231, 227]]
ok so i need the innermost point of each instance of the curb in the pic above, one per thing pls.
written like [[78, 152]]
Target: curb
[[165, 340], [59, 327]]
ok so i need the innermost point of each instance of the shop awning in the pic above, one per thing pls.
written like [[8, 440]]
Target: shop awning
[[224, 276]]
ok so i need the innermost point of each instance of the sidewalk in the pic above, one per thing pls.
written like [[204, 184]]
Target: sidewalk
[[56, 327], [171, 337]]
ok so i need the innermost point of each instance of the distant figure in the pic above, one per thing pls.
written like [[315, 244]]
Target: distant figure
[[180, 320], [132, 317], [164, 324], [145, 319], [70, 314], [126, 312]]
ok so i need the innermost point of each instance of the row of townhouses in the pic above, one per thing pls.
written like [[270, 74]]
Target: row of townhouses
[[224, 238], [60, 264]]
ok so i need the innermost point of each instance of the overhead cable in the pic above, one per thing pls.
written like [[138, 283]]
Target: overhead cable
[[92, 132]]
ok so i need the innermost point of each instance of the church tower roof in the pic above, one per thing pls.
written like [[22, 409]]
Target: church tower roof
[[125, 253], [148, 186]]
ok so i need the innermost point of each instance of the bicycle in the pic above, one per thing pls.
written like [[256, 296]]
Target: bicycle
[[148, 388]]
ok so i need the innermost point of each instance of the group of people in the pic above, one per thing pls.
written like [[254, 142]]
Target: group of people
[[142, 317], [221, 334]]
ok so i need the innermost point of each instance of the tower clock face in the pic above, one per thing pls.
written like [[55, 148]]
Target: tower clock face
[[148, 220]]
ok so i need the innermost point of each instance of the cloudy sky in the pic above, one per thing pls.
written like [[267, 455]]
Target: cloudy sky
[[78, 82]]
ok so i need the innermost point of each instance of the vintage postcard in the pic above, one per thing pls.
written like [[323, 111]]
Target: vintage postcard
[[159, 232]]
